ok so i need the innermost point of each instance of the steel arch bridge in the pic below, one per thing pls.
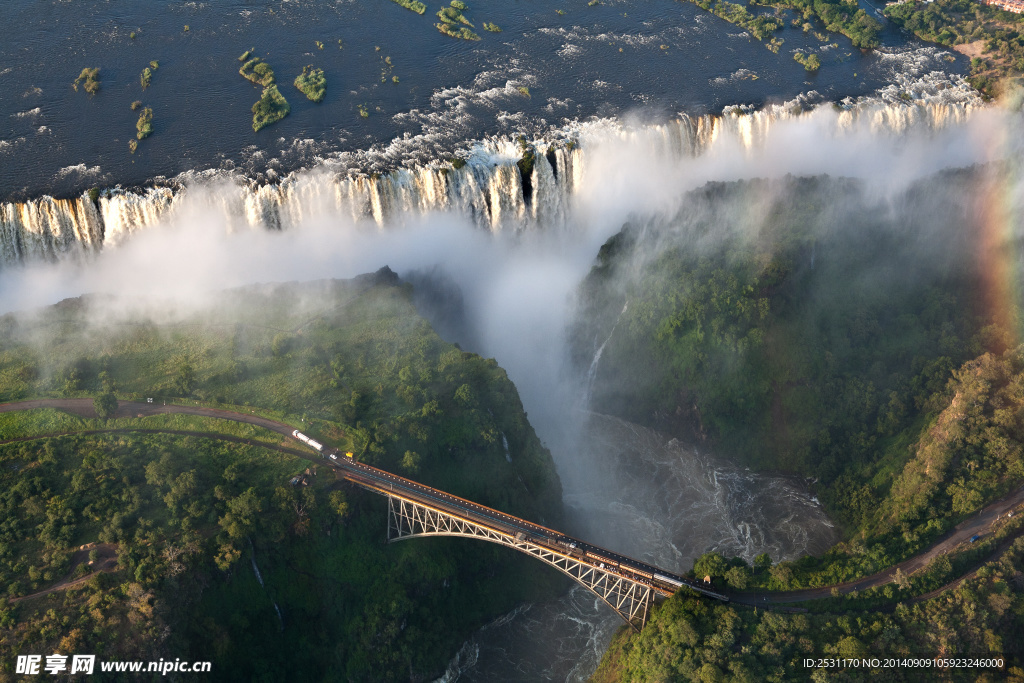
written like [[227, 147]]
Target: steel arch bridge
[[630, 599]]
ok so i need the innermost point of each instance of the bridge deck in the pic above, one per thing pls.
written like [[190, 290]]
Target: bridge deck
[[393, 485]]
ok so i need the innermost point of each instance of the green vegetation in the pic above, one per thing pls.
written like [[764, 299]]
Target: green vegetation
[[457, 162], [996, 36], [272, 107], [694, 639], [154, 65], [451, 17], [146, 78], [415, 5], [839, 16], [133, 145], [759, 26], [771, 344], [311, 83], [136, 104], [258, 71], [245, 56], [105, 404], [363, 112], [188, 517], [386, 68], [810, 62], [493, 28], [798, 325], [523, 90], [144, 125], [90, 80]]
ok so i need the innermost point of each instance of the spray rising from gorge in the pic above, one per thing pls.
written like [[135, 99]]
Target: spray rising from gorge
[[506, 184], [516, 242]]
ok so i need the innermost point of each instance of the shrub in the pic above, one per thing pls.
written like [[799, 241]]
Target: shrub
[[450, 18], [414, 5], [311, 83], [146, 78], [90, 80], [105, 405], [144, 124], [272, 107], [493, 28], [258, 71]]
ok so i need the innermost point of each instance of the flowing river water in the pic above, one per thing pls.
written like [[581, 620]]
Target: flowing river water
[[207, 203], [656, 499]]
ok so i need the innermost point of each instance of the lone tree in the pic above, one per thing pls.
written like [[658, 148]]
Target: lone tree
[[105, 404]]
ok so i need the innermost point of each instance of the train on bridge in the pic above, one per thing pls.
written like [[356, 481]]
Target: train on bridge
[[331, 453], [524, 532]]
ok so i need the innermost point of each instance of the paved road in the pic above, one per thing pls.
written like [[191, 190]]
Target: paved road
[[380, 480], [386, 483]]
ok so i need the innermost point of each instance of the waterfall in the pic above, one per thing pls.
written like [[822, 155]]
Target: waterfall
[[592, 370], [259, 577], [488, 189]]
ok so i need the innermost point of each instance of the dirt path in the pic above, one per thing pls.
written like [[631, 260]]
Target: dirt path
[[979, 524], [83, 408], [106, 562]]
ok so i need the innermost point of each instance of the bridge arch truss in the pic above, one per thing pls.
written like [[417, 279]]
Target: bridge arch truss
[[630, 599]]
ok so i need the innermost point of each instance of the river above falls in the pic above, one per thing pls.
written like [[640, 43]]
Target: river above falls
[[398, 91]]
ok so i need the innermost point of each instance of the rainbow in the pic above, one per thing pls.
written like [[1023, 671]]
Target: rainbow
[[997, 217]]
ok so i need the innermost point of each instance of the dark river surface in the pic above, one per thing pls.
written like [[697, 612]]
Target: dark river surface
[[553, 65], [654, 57]]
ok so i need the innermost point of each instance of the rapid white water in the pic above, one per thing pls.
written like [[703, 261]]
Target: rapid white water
[[490, 189], [517, 254], [656, 499]]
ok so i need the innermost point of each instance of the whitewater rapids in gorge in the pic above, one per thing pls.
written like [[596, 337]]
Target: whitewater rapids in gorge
[[513, 231]]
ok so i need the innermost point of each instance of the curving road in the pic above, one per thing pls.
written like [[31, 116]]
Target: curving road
[[379, 480], [979, 524], [386, 483]]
